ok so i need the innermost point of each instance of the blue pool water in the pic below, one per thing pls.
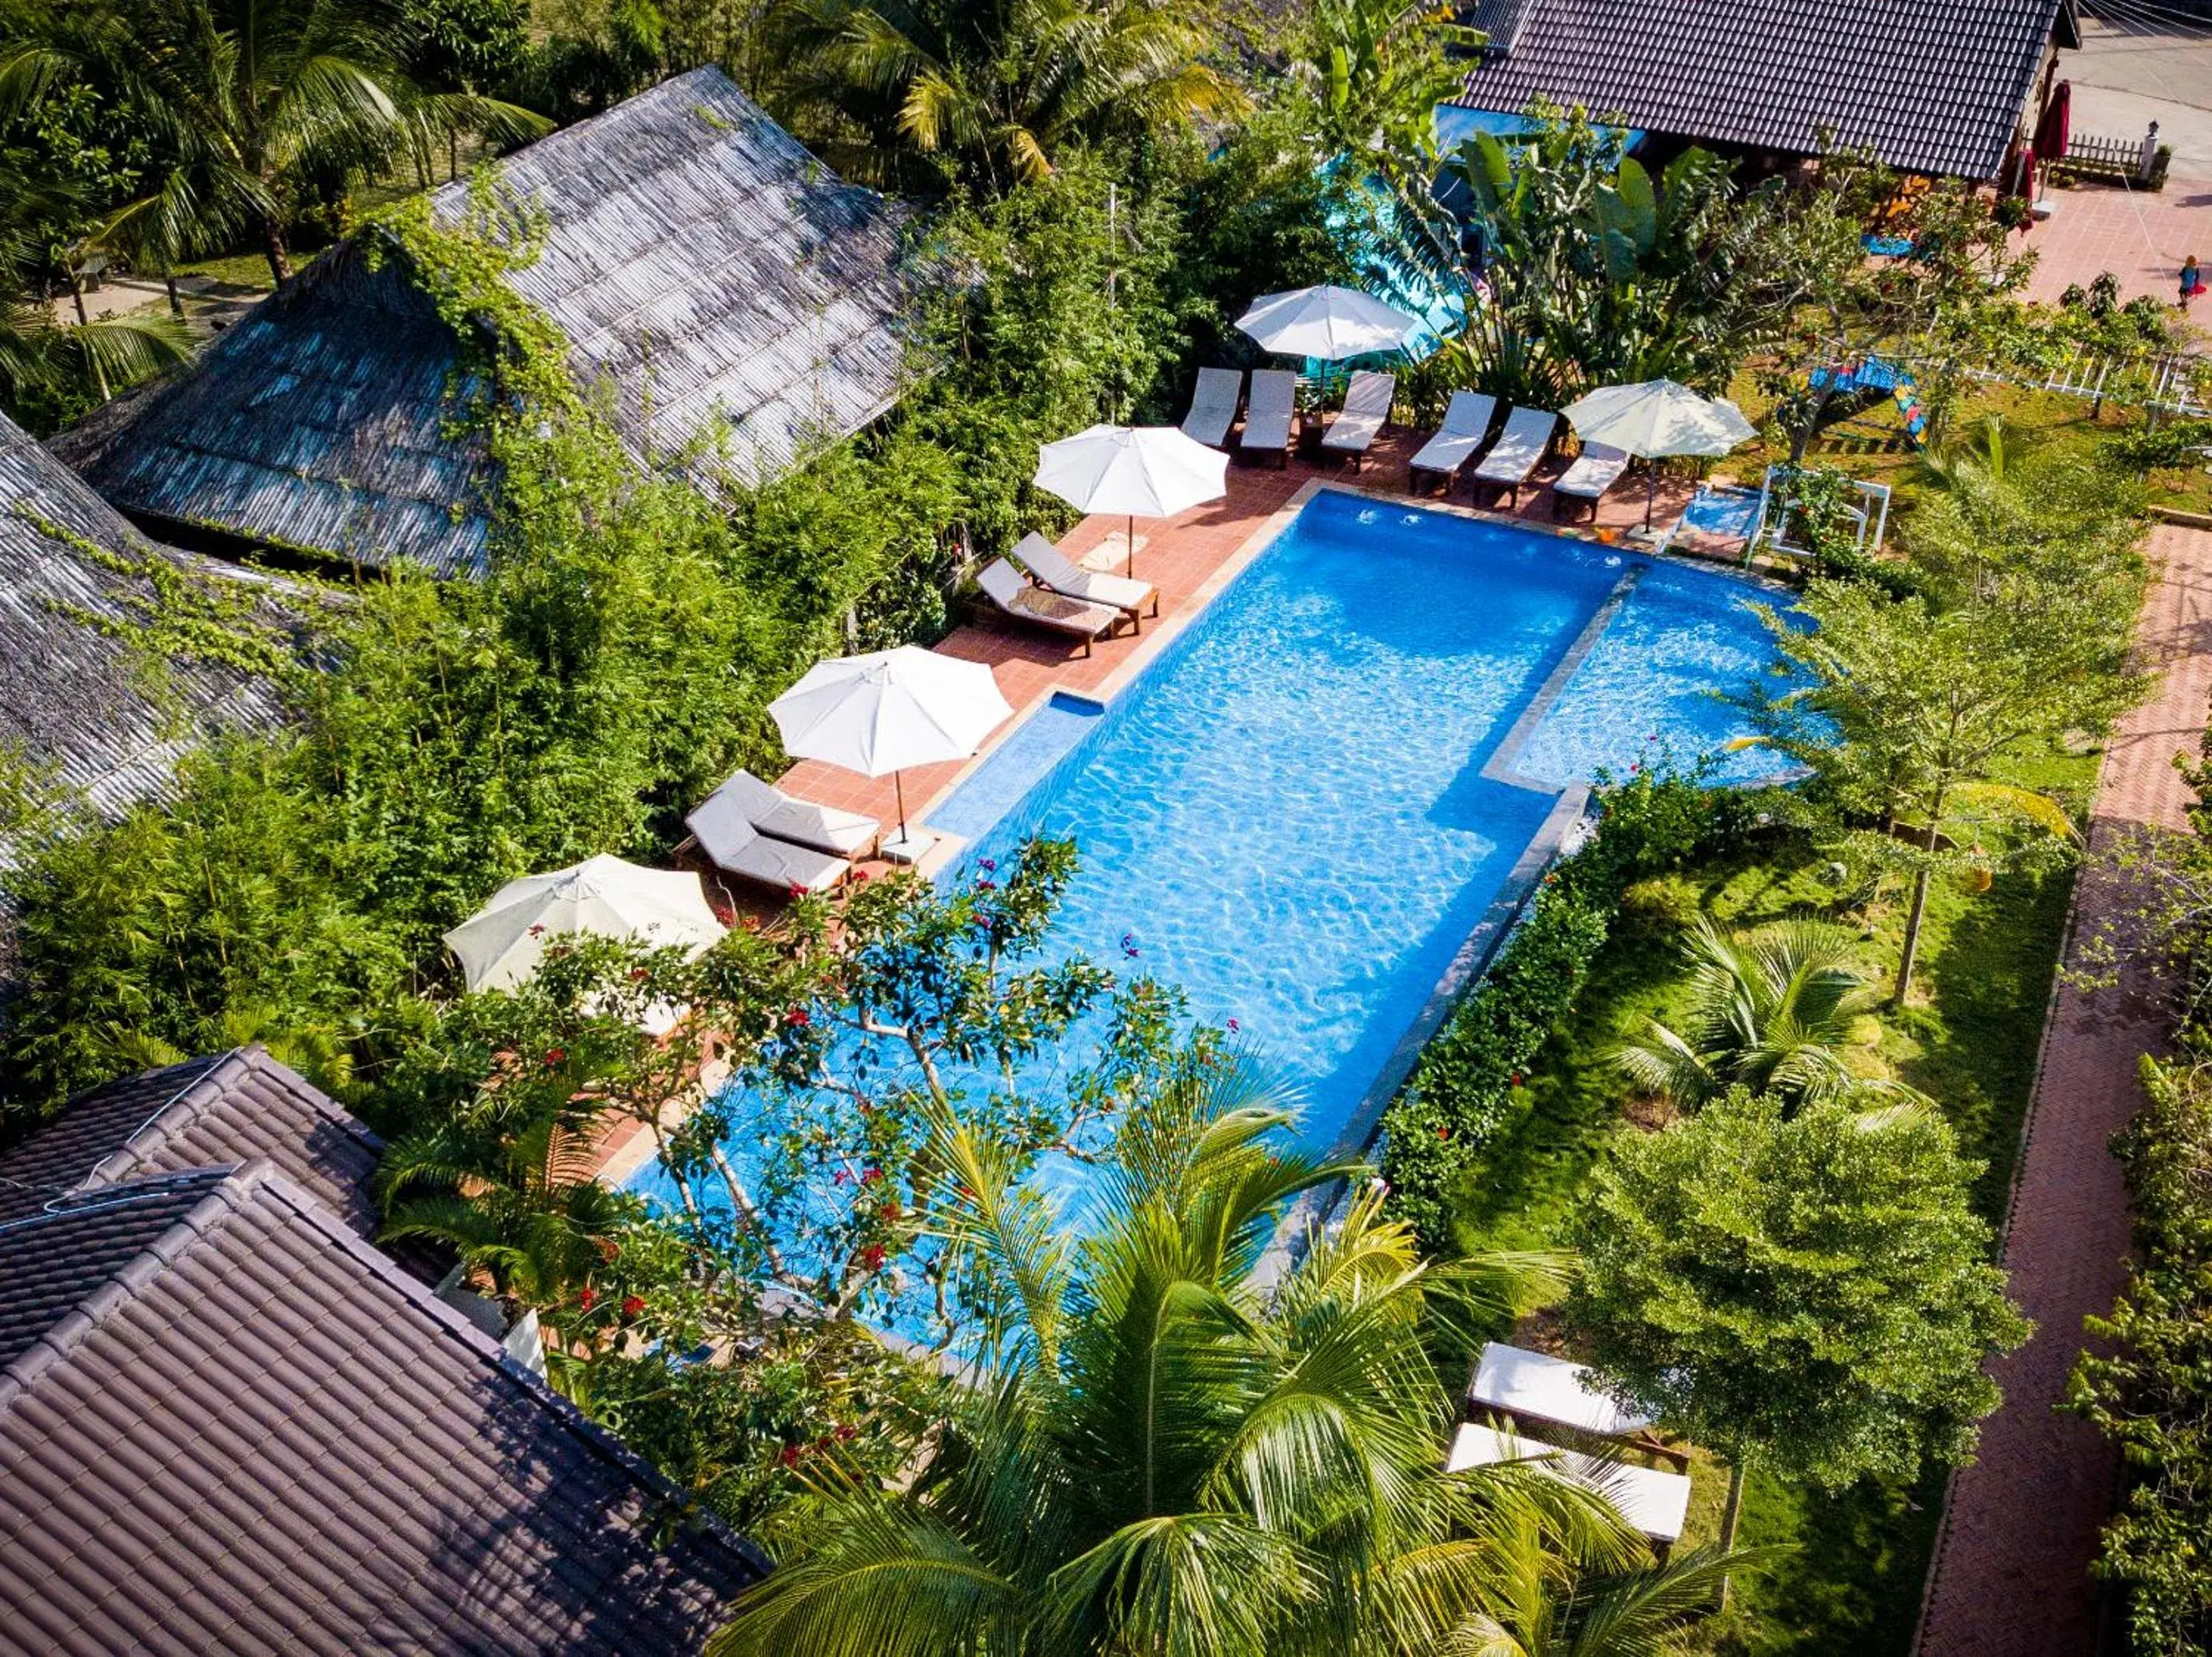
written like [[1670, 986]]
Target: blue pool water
[[1288, 813]]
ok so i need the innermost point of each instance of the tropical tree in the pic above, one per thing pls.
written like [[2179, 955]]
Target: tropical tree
[[1163, 1453], [1911, 713], [1809, 1293], [251, 103], [991, 92], [1771, 1011]]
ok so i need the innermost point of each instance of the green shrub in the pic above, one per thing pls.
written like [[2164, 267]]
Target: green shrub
[[2150, 448], [1466, 1088]]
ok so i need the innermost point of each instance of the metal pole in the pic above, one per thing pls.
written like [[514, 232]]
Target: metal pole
[[1131, 569]]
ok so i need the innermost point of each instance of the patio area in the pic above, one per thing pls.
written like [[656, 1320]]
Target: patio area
[[1187, 557], [2140, 237]]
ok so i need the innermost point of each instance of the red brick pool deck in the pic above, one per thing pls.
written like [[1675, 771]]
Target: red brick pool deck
[[1183, 556], [2010, 1576]]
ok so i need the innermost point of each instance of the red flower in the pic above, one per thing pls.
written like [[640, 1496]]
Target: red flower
[[797, 891], [986, 885], [872, 1257], [859, 876], [845, 1432], [798, 1018], [633, 1305], [1517, 1078], [870, 1175], [586, 1299], [538, 931], [1443, 1133], [791, 1454], [637, 973], [555, 1056]]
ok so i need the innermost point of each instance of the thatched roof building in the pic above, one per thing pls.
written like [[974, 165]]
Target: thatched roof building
[[726, 289], [94, 712]]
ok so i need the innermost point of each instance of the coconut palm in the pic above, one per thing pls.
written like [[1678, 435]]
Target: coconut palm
[[994, 89], [38, 350], [1771, 1009], [1162, 1450], [249, 100]]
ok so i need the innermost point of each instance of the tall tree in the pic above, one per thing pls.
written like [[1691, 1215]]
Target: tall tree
[[1811, 1293], [992, 93], [1164, 1454], [249, 100]]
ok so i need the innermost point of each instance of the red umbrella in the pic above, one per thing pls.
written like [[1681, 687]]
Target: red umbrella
[[2051, 131]]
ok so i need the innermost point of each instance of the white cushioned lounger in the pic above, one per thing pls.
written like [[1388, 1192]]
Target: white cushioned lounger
[[735, 846], [1535, 1386], [785, 817], [1366, 411], [1596, 470], [1655, 1504], [1519, 449], [1214, 406], [1466, 422], [1070, 581], [1269, 412], [1013, 597]]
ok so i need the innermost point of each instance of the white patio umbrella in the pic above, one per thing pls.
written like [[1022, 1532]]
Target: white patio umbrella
[[887, 710], [1328, 322], [500, 945], [1140, 471], [1659, 417]]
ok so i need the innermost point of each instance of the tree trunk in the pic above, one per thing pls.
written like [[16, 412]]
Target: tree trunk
[[1911, 952], [279, 256], [76, 293], [1729, 1515], [176, 305]]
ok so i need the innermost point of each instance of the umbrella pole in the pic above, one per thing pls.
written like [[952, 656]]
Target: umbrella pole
[[1130, 568], [898, 790], [1650, 489]]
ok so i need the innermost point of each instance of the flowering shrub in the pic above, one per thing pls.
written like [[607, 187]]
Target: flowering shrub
[[1468, 1083]]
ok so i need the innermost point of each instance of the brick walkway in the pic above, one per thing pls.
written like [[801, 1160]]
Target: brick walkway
[[2141, 238], [2010, 1577]]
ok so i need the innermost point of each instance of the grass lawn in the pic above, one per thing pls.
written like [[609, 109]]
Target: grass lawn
[[1968, 1038]]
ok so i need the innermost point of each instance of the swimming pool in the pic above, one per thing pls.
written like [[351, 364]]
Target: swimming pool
[[1352, 762]]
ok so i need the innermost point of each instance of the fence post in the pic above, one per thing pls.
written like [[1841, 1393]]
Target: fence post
[[2149, 160]]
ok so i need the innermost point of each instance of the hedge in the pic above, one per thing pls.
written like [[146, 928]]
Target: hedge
[[1467, 1085]]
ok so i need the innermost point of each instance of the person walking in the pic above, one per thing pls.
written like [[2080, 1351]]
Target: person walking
[[2193, 280]]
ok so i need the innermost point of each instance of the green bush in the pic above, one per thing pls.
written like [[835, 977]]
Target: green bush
[[2149, 448], [1466, 1088]]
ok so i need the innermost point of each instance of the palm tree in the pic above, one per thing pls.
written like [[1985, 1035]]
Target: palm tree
[[249, 100], [39, 352], [1177, 1440], [994, 88], [1770, 1010], [498, 1180]]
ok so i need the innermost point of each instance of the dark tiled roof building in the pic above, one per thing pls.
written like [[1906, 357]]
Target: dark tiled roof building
[[205, 1113], [1931, 86], [733, 298], [94, 716], [227, 1423]]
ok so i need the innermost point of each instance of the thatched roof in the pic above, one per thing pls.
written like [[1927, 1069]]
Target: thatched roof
[[94, 714], [707, 270]]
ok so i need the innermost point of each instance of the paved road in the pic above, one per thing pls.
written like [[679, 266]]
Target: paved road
[[2137, 66]]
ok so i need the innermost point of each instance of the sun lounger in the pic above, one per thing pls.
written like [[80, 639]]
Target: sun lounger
[[1214, 406], [1466, 422], [1596, 469], [1070, 581], [1366, 411], [784, 816], [735, 846], [1655, 1504], [1012, 596], [1535, 1386], [1520, 448], [1268, 413]]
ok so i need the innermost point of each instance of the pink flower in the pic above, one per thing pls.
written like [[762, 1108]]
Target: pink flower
[[1232, 1027]]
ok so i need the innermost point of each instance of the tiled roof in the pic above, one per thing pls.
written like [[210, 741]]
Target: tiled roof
[[205, 1113], [1933, 86], [96, 718], [228, 1424], [726, 288]]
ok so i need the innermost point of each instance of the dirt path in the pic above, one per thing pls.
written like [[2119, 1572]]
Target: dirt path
[[2010, 1576]]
